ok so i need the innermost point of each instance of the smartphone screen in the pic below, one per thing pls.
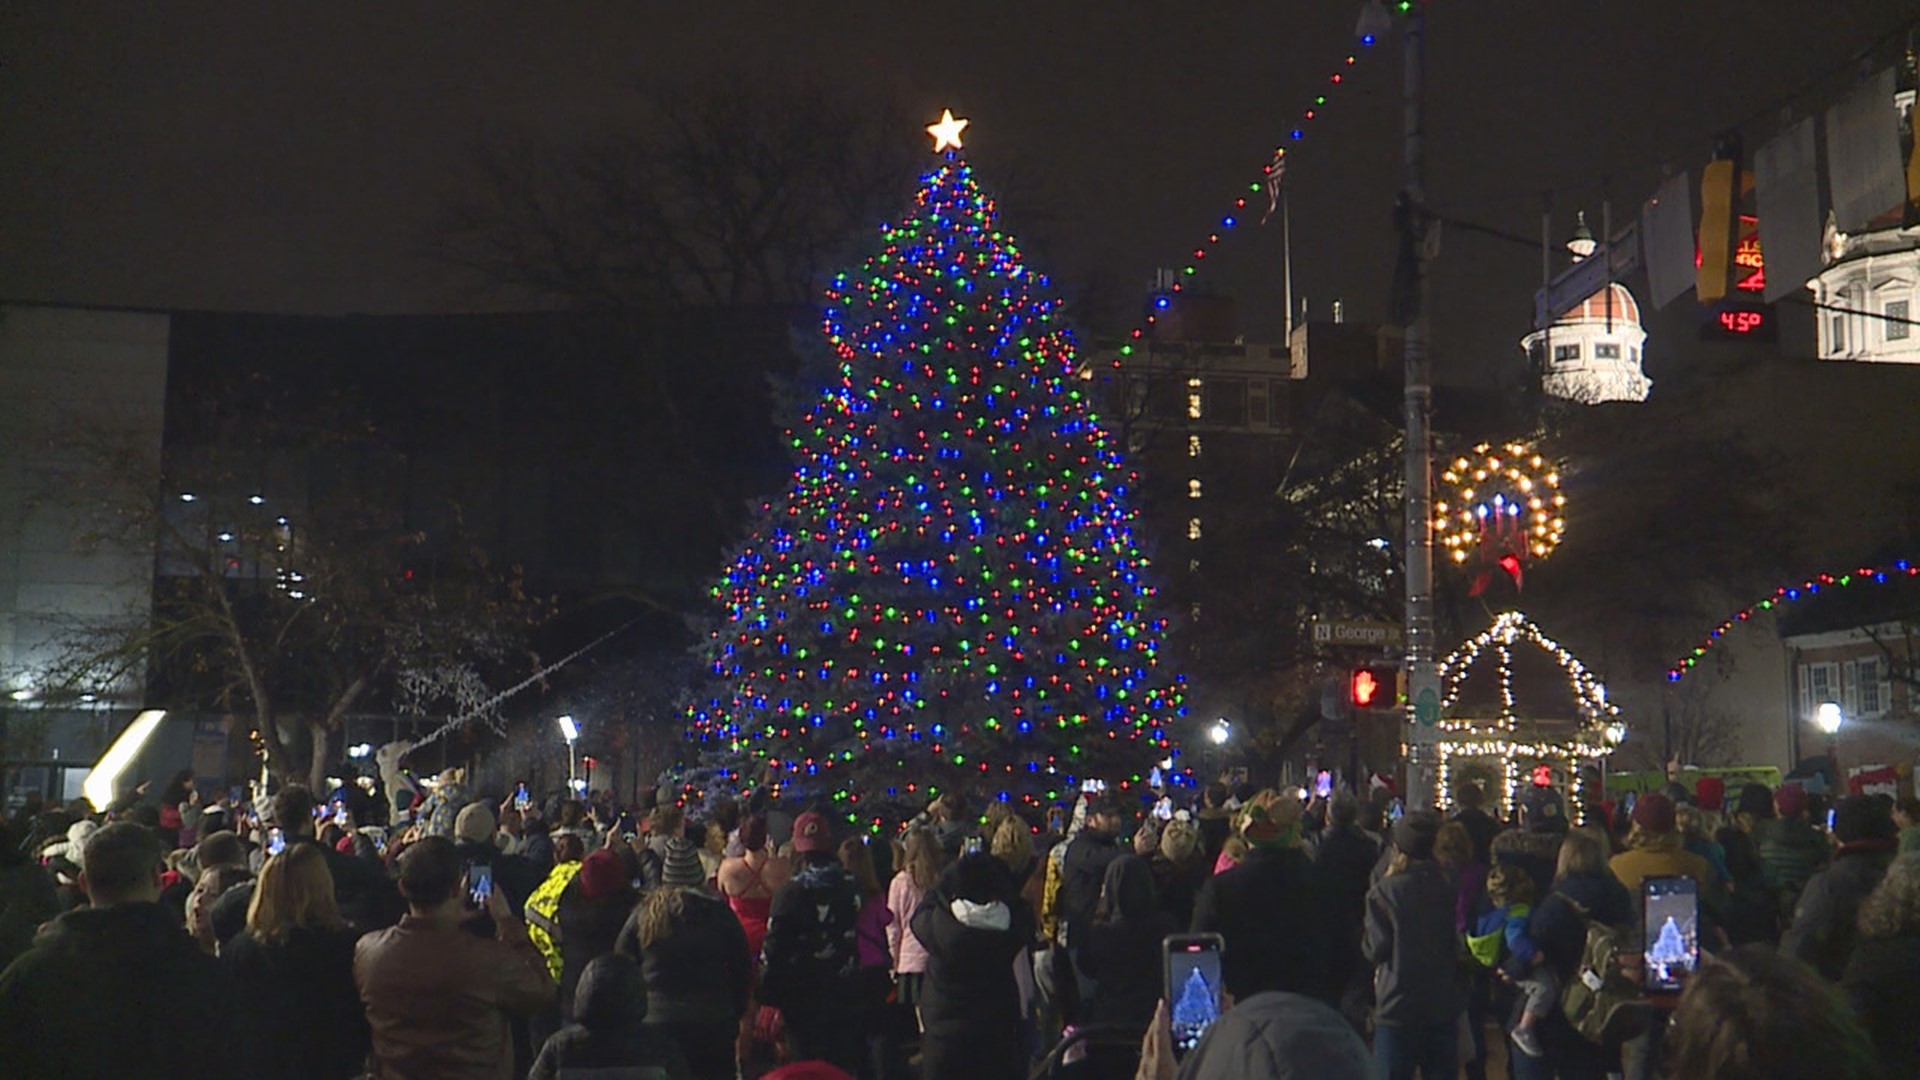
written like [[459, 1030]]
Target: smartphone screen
[[1673, 931], [521, 800], [1192, 986], [970, 846], [276, 841], [340, 814], [479, 884]]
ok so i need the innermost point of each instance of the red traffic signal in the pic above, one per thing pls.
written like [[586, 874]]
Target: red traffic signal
[[1364, 688]]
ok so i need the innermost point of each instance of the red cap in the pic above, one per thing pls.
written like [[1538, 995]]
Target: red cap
[[810, 833], [601, 874], [1790, 800]]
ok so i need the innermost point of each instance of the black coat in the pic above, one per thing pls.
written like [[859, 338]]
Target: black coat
[[1879, 981], [589, 928], [1823, 930], [1556, 926], [303, 1003], [702, 972], [1481, 828], [971, 1011], [1274, 912], [1082, 869], [610, 1004], [116, 992]]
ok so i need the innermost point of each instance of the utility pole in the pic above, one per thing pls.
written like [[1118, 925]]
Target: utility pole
[[1423, 680]]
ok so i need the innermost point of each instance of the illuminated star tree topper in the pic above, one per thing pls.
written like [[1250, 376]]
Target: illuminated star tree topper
[[948, 591]]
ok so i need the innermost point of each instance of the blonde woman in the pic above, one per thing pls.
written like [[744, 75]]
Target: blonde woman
[[918, 872], [294, 967]]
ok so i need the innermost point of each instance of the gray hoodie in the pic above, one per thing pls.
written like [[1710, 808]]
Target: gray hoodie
[[1418, 979]]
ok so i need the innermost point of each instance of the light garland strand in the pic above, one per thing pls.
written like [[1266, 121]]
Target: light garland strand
[[1271, 173], [1788, 594]]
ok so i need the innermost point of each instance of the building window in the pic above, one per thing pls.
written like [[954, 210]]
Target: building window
[[1606, 350], [1819, 684], [1193, 528], [1193, 488], [1566, 352], [1837, 333], [1869, 691], [1897, 328], [1193, 446], [1193, 405]]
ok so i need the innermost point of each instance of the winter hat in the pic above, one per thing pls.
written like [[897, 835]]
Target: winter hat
[[682, 867], [74, 846], [1415, 833], [812, 833], [1790, 800], [1863, 817], [601, 874], [1710, 792], [1271, 820], [1654, 812], [474, 825]]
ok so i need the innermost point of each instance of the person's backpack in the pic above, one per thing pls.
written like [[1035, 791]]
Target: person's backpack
[[813, 942], [1600, 1001]]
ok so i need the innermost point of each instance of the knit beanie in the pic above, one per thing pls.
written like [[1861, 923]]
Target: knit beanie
[[1415, 833], [1710, 792], [1790, 800], [1654, 812], [682, 867], [601, 874], [474, 825]]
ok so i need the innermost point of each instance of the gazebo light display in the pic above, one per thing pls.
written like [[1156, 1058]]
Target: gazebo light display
[[1518, 733]]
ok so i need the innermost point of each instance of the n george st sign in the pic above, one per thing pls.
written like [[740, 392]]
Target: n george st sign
[[1358, 633]]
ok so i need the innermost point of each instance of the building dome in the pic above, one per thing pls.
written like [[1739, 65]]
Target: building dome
[[1592, 353], [1611, 304]]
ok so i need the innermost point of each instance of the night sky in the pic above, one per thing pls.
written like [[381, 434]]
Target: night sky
[[285, 158]]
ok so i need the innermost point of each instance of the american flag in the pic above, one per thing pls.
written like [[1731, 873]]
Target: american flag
[[1275, 170]]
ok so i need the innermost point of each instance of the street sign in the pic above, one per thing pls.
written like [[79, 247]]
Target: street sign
[[1426, 707], [1363, 633]]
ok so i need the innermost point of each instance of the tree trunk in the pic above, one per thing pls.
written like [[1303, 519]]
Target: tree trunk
[[317, 767]]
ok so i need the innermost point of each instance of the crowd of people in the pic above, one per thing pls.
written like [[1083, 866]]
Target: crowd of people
[[467, 936]]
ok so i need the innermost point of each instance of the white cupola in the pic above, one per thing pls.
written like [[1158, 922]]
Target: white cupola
[[1596, 347]]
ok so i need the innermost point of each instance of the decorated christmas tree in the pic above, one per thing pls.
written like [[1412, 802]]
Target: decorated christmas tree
[[948, 592]]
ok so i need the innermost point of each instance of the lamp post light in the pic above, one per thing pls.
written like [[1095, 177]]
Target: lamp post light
[[1220, 732], [569, 731], [1615, 734], [1828, 719]]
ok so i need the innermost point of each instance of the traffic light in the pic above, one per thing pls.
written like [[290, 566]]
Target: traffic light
[[1370, 688]]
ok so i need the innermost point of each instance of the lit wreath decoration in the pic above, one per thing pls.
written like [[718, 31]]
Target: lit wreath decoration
[[1502, 506]]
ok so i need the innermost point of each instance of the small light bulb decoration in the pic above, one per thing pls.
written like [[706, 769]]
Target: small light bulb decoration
[[1502, 506]]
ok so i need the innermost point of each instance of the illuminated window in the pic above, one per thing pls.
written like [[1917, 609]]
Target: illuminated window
[[1897, 327], [1566, 352], [1193, 446], [1193, 528], [1606, 350], [1193, 488], [1193, 406], [1193, 383]]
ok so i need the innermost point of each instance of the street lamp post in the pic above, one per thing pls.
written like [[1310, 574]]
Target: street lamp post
[[1828, 719], [1616, 733], [569, 731]]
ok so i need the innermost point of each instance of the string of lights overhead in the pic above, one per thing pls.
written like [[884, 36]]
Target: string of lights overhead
[[1788, 594]]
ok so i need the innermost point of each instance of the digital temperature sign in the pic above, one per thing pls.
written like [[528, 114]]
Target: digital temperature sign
[[1737, 321]]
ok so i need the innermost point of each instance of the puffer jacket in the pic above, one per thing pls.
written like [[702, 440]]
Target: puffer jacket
[[903, 896], [1409, 936], [701, 972], [1279, 1035], [1824, 926], [608, 1037], [973, 924]]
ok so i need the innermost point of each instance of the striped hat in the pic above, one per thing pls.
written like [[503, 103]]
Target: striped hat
[[682, 867]]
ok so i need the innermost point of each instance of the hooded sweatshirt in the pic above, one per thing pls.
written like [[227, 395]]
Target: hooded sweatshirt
[[1122, 953]]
